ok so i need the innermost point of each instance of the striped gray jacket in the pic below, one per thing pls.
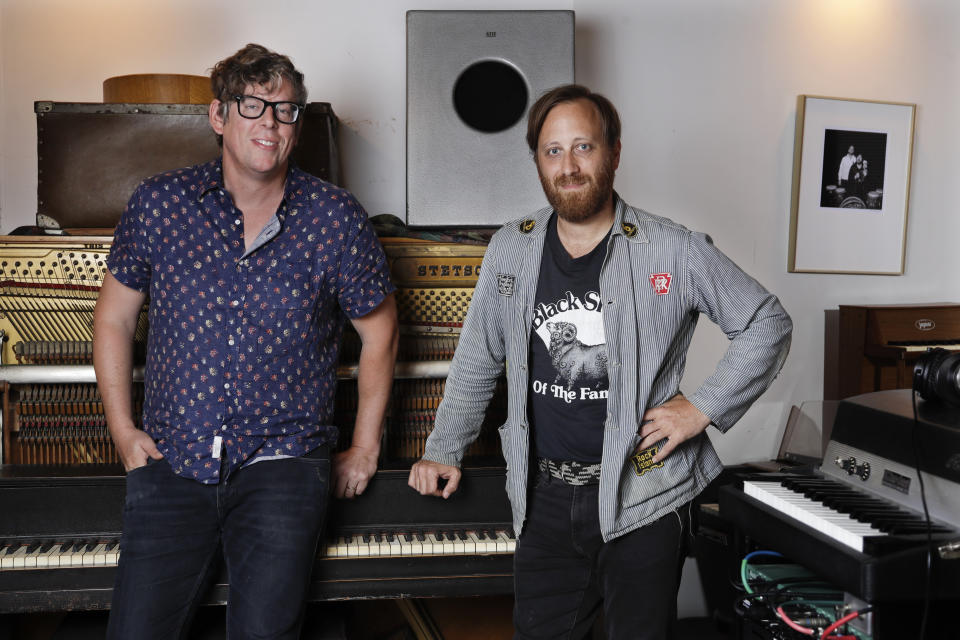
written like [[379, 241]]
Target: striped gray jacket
[[656, 279]]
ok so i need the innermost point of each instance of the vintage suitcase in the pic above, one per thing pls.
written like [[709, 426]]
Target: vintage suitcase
[[92, 156]]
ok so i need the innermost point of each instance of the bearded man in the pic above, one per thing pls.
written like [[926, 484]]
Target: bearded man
[[601, 504]]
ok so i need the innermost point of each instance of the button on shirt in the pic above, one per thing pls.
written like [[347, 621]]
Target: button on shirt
[[243, 344]]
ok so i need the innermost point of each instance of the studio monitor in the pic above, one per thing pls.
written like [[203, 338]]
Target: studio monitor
[[471, 77]]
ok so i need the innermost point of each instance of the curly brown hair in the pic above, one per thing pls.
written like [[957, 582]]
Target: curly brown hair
[[257, 65]]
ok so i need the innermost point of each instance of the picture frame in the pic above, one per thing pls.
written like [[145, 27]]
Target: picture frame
[[851, 186]]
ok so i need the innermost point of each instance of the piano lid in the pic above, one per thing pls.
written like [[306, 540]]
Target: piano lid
[[882, 423]]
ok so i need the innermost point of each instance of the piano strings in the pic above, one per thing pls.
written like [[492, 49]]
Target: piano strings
[[48, 290], [63, 424]]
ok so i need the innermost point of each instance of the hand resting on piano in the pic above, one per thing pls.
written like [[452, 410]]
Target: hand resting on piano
[[426, 478]]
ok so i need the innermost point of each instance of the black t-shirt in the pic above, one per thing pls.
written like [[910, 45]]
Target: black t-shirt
[[568, 355]]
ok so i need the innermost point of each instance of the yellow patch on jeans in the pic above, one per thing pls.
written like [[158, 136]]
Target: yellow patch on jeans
[[643, 460]]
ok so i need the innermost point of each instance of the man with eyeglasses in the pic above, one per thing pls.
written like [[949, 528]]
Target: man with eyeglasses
[[251, 267]]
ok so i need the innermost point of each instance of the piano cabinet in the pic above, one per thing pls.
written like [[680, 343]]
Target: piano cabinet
[[873, 347], [58, 536], [61, 485]]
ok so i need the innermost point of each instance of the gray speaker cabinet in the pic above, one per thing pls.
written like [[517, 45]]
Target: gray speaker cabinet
[[471, 77]]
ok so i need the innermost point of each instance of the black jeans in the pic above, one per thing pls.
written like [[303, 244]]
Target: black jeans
[[564, 572], [266, 518]]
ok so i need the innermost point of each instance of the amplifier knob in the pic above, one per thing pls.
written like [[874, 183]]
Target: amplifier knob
[[849, 465]]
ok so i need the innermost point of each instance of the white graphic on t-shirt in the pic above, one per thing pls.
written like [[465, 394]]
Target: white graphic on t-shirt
[[571, 329], [575, 362]]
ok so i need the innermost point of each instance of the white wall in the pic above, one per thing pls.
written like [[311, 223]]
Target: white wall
[[352, 53], [707, 91]]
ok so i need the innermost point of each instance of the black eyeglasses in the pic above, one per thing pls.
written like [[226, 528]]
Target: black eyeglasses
[[252, 107]]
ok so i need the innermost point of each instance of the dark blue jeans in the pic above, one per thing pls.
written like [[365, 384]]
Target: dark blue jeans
[[564, 574], [267, 520]]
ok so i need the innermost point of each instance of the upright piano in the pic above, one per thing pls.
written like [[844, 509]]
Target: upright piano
[[876, 345], [59, 540], [859, 521], [61, 489], [61, 485]]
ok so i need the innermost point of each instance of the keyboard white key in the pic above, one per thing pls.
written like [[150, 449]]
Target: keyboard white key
[[486, 544], [364, 548], [112, 554], [60, 555], [51, 558], [353, 546], [449, 546], [432, 545], [416, 546], [72, 556], [341, 548], [30, 558], [509, 541], [378, 545], [18, 557], [470, 542], [400, 544], [90, 556], [393, 546], [838, 526]]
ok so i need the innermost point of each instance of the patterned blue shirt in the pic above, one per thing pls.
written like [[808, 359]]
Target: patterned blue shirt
[[243, 344]]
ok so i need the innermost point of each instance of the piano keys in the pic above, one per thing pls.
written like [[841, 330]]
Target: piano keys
[[388, 543], [381, 543], [859, 521], [55, 554], [850, 517]]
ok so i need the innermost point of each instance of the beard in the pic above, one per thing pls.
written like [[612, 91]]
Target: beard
[[584, 203]]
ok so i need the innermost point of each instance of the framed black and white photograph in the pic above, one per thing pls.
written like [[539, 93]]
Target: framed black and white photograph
[[851, 186]]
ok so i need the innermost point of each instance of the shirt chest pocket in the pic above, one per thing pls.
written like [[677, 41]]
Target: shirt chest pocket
[[282, 302], [283, 284]]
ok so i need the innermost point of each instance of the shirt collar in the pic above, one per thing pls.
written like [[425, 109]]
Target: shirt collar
[[625, 222], [295, 190], [211, 178]]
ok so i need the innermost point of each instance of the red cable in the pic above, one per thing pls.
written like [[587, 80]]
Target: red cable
[[839, 623], [793, 625]]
